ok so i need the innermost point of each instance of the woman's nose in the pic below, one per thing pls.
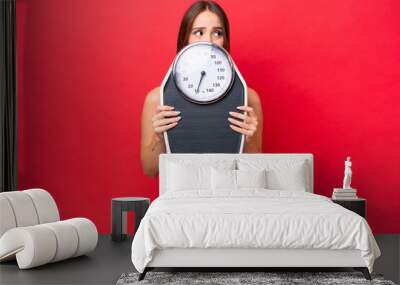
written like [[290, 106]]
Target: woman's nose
[[208, 38]]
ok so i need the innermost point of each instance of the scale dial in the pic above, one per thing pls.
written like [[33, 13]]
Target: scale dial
[[203, 72]]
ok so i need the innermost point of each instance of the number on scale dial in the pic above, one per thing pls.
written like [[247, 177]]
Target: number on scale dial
[[203, 72]]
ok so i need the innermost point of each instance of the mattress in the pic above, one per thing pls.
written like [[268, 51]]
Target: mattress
[[251, 219]]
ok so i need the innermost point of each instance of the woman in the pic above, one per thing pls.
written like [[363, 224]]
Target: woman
[[203, 21]]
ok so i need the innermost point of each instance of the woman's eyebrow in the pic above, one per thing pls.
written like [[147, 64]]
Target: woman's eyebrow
[[201, 28]]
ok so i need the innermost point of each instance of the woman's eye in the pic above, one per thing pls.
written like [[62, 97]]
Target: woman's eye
[[198, 33], [218, 33]]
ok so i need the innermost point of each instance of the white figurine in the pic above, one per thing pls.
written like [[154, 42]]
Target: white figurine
[[347, 174]]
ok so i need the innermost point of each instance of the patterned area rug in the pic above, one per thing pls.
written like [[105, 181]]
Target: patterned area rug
[[269, 278]]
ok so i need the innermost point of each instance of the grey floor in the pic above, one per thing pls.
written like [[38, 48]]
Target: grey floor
[[102, 266], [110, 260]]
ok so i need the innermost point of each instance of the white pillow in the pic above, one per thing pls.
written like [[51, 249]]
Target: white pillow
[[188, 175], [288, 179], [251, 178], [282, 174], [228, 179], [223, 179]]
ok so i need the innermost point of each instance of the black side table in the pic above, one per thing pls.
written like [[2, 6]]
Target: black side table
[[358, 205], [119, 207]]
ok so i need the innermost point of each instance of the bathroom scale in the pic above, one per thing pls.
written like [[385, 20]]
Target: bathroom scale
[[204, 84]]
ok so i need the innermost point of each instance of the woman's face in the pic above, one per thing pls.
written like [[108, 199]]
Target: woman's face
[[207, 27]]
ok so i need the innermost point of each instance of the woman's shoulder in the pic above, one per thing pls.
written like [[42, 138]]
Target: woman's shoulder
[[153, 96], [252, 95], [251, 91]]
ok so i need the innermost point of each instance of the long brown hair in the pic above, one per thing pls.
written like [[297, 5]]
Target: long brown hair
[[188, 18]]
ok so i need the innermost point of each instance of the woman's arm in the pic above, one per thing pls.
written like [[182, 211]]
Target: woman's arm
[[254, 142], [151, 144], [251, 124], [156, 120]]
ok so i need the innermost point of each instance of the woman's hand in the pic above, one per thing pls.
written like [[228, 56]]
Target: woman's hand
[[164, 119], [244, 123]]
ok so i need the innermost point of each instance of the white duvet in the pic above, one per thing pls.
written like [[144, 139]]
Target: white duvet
[[252, 218]]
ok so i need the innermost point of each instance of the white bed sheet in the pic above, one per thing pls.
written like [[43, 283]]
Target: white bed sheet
[[250, 218]]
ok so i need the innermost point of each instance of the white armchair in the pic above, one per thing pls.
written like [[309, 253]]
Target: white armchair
[[31, 230]]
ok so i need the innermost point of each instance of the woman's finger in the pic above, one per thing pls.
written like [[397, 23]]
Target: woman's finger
[[164, 108], [167, 121], [242, 131], [164, 114], [238, 115], [243, 125], [165, 128], [244, 118], [238, 123], [247, 109]]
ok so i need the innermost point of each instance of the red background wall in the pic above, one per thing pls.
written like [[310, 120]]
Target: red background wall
[[327, 73]]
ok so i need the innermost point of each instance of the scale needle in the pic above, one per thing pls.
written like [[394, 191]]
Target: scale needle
[[201, 78]]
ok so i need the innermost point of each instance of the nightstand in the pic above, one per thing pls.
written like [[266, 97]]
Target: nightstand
[[119, 207], [358, 205]]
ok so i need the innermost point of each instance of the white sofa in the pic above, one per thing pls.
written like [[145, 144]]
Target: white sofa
[[31, 231]]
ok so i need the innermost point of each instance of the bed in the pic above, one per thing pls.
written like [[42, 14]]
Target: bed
[[247, 210]]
